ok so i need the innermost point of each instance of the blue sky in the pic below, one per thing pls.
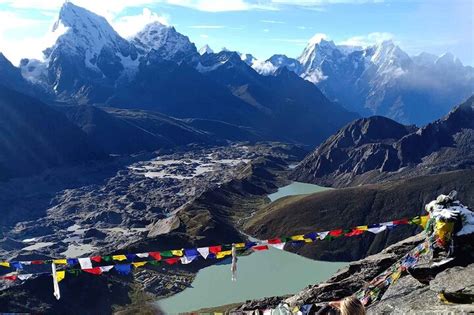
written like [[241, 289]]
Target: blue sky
[[263, 27]]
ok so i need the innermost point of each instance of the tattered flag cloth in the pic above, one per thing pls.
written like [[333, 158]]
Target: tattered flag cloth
[[186, 256]]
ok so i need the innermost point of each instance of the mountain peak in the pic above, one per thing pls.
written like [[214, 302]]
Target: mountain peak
[[206, 50], [165, 40]]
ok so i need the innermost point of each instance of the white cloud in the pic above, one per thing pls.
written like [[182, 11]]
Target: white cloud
[[272, 22], [214, 5], [309, 3], [15, 47], [266, 30], [205, 36], [207, 26], [367, 40], [317, 38], [128, 26]]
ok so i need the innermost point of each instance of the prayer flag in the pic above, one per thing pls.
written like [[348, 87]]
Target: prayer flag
[[10, 278], [204, 251], [96, 259], [260, 247], [131, 256], [60, 275], [37, 262], [72, 261], [215, 249], [323, 235], [119, 257], [155, 255], [310, 237], [274, 241], [177, 252], [280, 246], [424, 220], [166, 253], [240, 245], [143, 255], [5, 264], [85, 263], [223, 254], [362, 227], [139, 264], [187, 259], [123, 269], [355, 232], [94, 271], [60, 261], [400, 222], [172, 261], [336, 233], [16, 265], [297, 238], [106, 268], [191, 252], [24, 277]]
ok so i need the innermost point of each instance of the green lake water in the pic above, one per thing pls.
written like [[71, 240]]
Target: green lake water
[[262, 274]]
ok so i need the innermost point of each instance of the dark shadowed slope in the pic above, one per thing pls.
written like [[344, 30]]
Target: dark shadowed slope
[[374, 149], [34, 137], [350, 207]]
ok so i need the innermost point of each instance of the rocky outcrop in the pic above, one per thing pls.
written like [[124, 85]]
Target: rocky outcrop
[[404, 296], [376, 149]]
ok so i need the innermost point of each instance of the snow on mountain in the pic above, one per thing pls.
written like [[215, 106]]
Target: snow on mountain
[[86, 46], [205, 50], [166, 42], [314, 55], [349, 49]]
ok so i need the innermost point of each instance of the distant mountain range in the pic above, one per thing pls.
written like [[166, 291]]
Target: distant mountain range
[[160, 70], [381, 79], [375, 149], [157, 90]]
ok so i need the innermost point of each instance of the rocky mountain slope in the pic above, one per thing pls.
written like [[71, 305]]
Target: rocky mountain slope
[[381, 79], [375, 149], [160, 70], [35, 137], [405, 296], [349, 207]]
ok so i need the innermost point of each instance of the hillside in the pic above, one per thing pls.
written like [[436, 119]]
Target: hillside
[[376, 149], [355, 206], [34, 137]]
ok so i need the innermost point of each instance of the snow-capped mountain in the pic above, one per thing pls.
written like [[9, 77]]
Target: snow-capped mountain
[[381, 79], [205, 50], [87, 49], [166, 43]]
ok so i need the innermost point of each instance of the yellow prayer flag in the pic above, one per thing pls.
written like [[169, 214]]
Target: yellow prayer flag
[[139, 264], [424, 220], [308, 240], [5, 264], [119, 257], [60, 261], [60, 275], [362, 228], [396, 275], [297, 238], [223, 254], [239, 245], [177, 252], [216, 313]]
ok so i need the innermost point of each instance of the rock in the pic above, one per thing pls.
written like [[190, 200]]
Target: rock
[[94, 233], [375, 149]]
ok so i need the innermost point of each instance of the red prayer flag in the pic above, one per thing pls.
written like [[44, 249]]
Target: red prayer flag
[[260, 247], [399, 222], [355, 232], [172, 261], [155, 255], [37, 262], [96, 258], [215, 249], [274, 241], [10, 278], [336, 233], [94, 271]]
